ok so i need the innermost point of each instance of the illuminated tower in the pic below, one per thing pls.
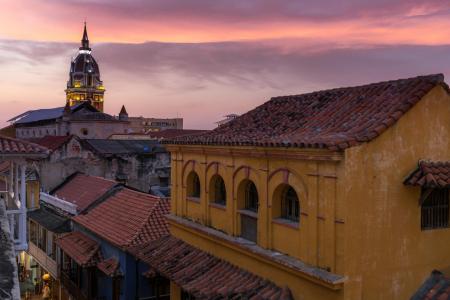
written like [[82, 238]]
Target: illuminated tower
[[84, 82]]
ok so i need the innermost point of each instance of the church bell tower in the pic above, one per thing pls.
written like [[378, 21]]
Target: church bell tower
[[84, 82]]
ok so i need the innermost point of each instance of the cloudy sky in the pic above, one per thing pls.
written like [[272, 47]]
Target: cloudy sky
[[202, 59]]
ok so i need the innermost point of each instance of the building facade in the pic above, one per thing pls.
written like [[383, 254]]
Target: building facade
[[309, 191], [147, 125], [95, 262], [82, 120], [15, 156], [141, 164]]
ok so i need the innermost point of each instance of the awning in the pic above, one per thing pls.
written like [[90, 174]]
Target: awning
[[203, 275], [430, 174], [49, 220], [81, 248], [110, 267]]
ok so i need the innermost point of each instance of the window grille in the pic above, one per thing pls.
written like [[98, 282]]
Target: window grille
[[290, 206], [251, 197], [435, 210], [220, 194], [194, 185]]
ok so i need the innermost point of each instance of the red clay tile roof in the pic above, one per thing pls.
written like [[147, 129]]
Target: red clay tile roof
[[128, 218], [430, 174], [83, 190], [51, 142], [4, 166], [204, 275], [173, 133], [437, 286], [11, 146], [109, 266], [81, 248], [334, 119]]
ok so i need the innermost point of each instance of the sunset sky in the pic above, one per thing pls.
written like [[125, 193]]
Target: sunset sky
[[202, 59]]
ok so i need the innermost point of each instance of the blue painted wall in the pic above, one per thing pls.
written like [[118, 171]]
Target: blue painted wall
[[131, 279]]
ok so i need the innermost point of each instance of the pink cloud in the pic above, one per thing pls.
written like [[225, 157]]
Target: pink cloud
[[204, 81]]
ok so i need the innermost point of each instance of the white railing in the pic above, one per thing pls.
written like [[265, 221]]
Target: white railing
[[15, 220], [16, 197], [59, 203], [43, 259]]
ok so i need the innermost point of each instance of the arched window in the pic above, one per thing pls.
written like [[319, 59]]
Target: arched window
[[251, 197], [290, 206], [193, 185], [218, 190]]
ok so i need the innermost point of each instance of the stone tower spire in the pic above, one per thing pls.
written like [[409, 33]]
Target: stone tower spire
[[85, 40]]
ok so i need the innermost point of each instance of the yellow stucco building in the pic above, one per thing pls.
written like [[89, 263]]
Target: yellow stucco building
[[309, 191]]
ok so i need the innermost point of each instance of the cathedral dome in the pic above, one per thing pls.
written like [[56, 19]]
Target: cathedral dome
[[84, 82], [84, 63]]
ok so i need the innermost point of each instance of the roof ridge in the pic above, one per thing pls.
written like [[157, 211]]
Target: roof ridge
[[333, 119], [438, 76], [140, 192], [93, 176], [146, 221]]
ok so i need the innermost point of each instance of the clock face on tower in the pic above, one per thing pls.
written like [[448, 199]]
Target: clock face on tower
[[84, 82]]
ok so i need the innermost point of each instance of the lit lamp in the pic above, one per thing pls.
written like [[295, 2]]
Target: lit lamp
[[46, 277]]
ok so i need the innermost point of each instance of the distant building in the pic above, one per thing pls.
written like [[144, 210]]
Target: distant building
[[156, 135], [83, 113], [227, 119], [141, 164], [81, 119], [145, 125], [84, 82]]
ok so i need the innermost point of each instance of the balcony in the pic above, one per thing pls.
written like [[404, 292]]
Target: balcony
[[67, 278], [17, 220], [43, 259], [14, 196]]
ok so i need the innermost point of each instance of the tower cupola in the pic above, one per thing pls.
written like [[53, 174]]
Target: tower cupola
[[84, 82]]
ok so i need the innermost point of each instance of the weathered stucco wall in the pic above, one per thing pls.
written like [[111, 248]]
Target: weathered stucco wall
[[357, 218], [312, 173], [387, 255], [142, 171]]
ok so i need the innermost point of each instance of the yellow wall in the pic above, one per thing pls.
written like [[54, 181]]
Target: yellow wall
[[33, 190], [387, 254], [357, 218], [314, 180]]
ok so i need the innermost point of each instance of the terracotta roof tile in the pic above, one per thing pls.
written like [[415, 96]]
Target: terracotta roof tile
[[173, 133], [128, 218], [437, 286], [81, 248], [4, 166], [334, 119], [430, 174], [110, 267], [83, 190], [12, 146], [51, 142], [204, 275]]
